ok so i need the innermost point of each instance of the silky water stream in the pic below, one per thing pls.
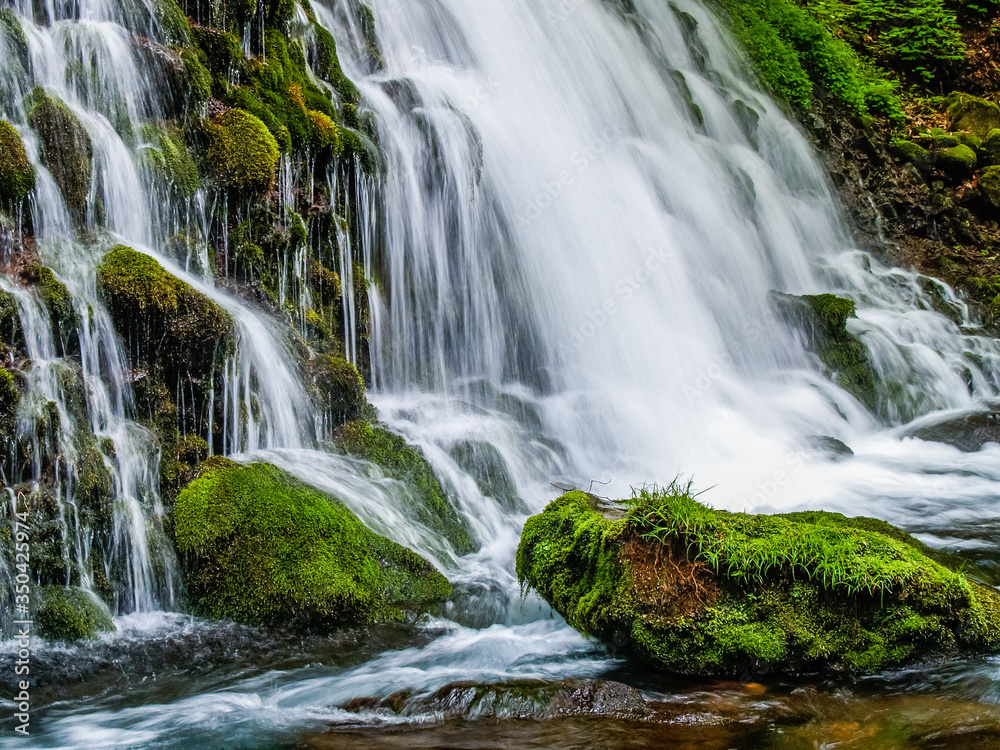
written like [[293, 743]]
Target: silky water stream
[[577, 273]]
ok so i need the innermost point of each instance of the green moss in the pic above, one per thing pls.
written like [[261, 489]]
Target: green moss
[[972, 114], [56, 297], [261, 547], [242, 154], [823, 320], [66, 150], [70, 615], [695, 590], [487, 467], [325, 63], [9, 399], [408, 465], [173, 24], [991, 149], [339, 388], [959, 161], [989, 186], [221, 52], [197, 79], [17, 176], [10, 27], [911, 152], [169, 324], [168, 156]]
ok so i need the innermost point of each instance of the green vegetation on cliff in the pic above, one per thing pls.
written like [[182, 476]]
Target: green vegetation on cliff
[[66, 149], [699, 591], [260, 547], [17, 176], [242, 154]]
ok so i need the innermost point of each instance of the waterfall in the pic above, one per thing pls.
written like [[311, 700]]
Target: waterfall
[[568, 249]]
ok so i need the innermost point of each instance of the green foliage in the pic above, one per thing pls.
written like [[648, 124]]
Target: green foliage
[[261, 547], [242, 154], [695, 590], [17, 176], [408, 465], [798, 56], [66, 149], [70, 615]]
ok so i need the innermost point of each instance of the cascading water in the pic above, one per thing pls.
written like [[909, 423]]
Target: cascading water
[[584, 207]]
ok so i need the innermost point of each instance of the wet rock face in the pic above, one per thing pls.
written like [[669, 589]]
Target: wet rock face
[[525, 699], [704, 592], [484, 463], [968, 433]]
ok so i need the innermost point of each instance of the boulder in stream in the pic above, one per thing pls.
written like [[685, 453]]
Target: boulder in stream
[[698, 591], [262, 548]]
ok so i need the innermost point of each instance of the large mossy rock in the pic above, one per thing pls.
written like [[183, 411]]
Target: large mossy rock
[[17, 176], [70, 615], [822, 318], [66, 149], [168, 324], [260, 547], [973, 115], [407, 464], [697, 591]]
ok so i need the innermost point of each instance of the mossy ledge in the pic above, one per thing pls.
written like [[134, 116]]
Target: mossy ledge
[[262, 548], [698, 591]]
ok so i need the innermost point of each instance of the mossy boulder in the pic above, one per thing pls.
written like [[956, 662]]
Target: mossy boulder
[[9, 399], [242, 154], [71, 614], [989, 186], [58, 301], [260, 547], [822, 318], [911, 152], [407, 464], [704, 592], [958, 162], [991, 149], [66, 149], [168, 324], [972, 114], [17, 176], [339, 388]]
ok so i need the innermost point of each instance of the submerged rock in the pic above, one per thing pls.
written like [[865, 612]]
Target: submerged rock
[[520, 699], [71, 614], [487, 467], [968, 432], [262, 548], [697, 591], [407, 464]]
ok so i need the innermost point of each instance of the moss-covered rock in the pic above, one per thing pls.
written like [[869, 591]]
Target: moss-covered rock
[[958, 161], [911, 152], [58, 301], [823, 320], [169, 324], [989, 186], [9, 399], [260, 547], [972, 114], [339, 388], [166, 154], [242, 154], [17, 176], [991, 149], [66, 149], [705, 592], [407, 464], [13, 34], [70, 614]]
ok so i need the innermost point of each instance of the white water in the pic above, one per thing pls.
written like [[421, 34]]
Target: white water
[[575, 272]]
